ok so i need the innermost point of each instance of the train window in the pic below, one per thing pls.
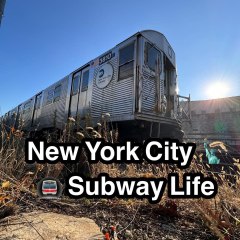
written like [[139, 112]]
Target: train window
[[126, 54], [57, 93], [75, 82], [151, 54], [85, 81], [50, 96], [27, 107], [126, 57]]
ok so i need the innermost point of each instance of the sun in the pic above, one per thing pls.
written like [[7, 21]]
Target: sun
[[217, 90]]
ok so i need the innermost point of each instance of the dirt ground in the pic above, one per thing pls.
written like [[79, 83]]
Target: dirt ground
[[48, 225], [81, 219]]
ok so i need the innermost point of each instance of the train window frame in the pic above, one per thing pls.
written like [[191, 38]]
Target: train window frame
[[85, 82], [75, 91], [147, 47], [57, 93], [127, 62]]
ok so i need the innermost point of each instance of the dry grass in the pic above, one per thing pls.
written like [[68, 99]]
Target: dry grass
[[220, 214]]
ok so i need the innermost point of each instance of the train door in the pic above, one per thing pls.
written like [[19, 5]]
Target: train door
[[83, 103], [74, 96], [170, 87], [152, 79], [19, 116], [36, 110]]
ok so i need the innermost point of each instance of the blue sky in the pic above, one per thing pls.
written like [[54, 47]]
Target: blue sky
[[42, 41]]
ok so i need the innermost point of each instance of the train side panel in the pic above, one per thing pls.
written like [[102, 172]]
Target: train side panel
[[114, 82], [26, 112], [53, 106]]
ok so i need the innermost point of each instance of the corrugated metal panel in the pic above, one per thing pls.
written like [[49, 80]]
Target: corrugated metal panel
[[149, 92], [27, 120], [148, 95], [12, 117], [54, 113], [116, 98], [26, 116]]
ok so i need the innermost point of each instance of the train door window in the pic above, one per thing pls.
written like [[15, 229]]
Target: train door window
[[38, 101], [126, 61], [85, 80], [151, 54], [57, 93], [50, 96], [75, 83]]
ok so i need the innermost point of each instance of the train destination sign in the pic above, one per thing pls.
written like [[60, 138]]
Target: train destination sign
[[104, 75]]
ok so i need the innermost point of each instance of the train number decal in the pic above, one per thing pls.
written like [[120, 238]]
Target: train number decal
[[106, 58]]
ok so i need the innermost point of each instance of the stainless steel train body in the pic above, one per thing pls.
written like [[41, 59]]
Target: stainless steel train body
[[135, 83]]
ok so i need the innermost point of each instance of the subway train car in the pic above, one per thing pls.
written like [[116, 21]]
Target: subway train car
[[135, 83]]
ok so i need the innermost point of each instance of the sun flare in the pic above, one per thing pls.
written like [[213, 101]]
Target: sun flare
[[217, 90]]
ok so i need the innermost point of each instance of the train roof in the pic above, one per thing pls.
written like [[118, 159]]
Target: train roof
[[153, 36]]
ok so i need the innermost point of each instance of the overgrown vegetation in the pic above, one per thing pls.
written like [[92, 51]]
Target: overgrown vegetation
[[221, 215]]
